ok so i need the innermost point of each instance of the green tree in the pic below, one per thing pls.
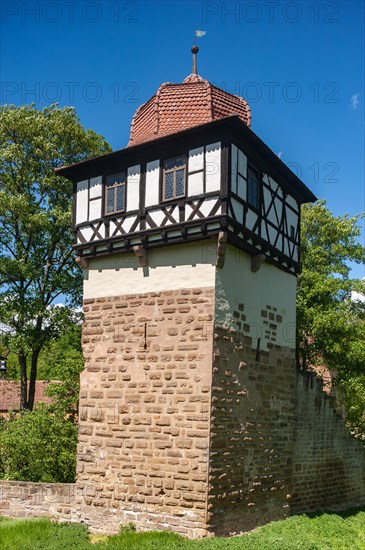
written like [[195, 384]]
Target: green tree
[[36, 255], [67, 363], [38, 446], [330, 325], [48, 453]]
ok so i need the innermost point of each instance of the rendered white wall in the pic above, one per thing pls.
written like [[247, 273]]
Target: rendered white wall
[[152, 182], [95, 187], [133, 179], [213, 167], [269, 286], [89, 199], [196, 184], [82, 198], [169, 268], [196, 159], [95, 209]]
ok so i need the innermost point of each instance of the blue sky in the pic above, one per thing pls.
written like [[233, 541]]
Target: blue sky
[[300, 65]]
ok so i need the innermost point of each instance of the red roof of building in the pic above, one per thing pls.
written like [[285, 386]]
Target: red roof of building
[[10, 394], [177, 107]]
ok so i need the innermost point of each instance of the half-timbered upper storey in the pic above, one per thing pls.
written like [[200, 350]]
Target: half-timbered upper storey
[[173, 184]]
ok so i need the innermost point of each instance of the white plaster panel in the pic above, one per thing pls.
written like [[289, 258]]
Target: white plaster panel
[[82, 198], [152, 182], [272, 184], [275, 187], [238, 210], [292, 219], [213, 167], [236, 283], [292, 202], [174, 267], [128, 222], [195, 184], [112, 226], [251, 218], [196, 159], [264, 234], [157, 216], [95, 209], [241, 187], [272, 216], [207, 206], [133, 179], [286, 246], [272, 234], [242, 163], [87, 233], [101, 230], [279, 208], [95, 187], [266, 198]]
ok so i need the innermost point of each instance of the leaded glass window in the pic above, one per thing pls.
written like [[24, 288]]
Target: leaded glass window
[[115, 193], [174, 178]]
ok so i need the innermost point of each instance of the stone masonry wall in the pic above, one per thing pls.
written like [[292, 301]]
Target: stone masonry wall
[[328, 462], [278, 446], [24, 499], [194, 429], [253, 397], [145, 411]]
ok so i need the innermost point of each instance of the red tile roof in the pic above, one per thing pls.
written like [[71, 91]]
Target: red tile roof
[[176, 107], [10, 394]]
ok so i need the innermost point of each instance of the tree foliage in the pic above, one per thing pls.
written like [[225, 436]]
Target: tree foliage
[[38, 446], [330, 324], [65, 367], [36, 254]]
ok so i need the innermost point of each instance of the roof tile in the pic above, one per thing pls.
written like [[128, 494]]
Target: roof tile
[[176, 107]]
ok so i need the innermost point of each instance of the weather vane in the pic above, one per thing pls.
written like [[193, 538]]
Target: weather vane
[[195, 49]]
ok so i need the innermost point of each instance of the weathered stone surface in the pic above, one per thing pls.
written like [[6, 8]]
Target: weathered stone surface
[[185, 426], [146, 431]]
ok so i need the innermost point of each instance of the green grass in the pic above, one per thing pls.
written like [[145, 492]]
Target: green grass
[[322, 532], [42, 534]]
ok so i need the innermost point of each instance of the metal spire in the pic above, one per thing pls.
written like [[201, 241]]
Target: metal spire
[[194, 50]]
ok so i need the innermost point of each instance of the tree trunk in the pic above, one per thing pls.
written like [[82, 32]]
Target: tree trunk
[[32, 378], [23, 382]]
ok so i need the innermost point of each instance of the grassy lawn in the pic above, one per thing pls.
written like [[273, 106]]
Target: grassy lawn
[[324, 532]]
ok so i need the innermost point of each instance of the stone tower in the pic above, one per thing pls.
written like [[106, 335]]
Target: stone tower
[[189, 241]]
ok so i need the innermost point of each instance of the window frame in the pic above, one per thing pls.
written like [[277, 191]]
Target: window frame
[[237, 172], [115, 186], [173, 170]]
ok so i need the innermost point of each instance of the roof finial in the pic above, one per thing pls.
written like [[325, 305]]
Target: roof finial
[[194, 50]]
